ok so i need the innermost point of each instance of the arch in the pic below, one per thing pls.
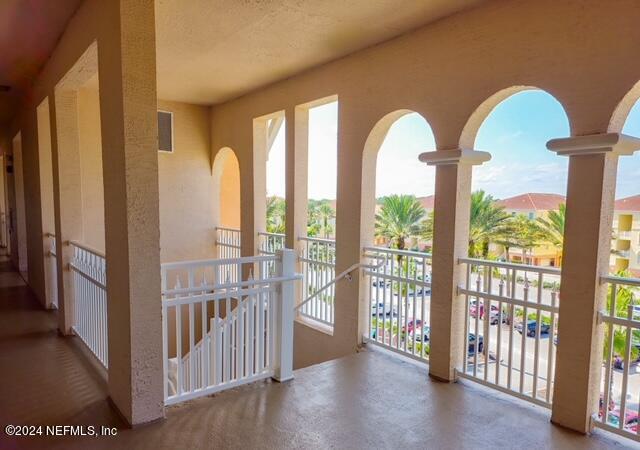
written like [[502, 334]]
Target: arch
[[515, 124], [372, 146], [621, 113], [480, 114], [226, 189]]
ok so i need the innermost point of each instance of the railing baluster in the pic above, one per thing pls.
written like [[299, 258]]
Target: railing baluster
[[512, 297]]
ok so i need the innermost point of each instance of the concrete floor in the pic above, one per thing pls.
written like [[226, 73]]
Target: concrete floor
[[368, 400]]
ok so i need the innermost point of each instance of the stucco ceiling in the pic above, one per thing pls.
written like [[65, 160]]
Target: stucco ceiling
[[209, 51], [29, 31]]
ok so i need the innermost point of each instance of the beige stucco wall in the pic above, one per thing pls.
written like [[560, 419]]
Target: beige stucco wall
[[229, 204], [186, 186], [185, 180], [90, 143], [583, 53]]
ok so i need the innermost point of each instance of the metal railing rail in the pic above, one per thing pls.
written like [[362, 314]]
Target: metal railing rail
[[90, 299], [621, 319], [398, 293], [503, 294]]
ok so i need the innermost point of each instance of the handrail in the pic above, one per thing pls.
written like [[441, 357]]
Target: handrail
[[87, 248], [217, 262], [620, 280], [395, 251], [316, 239], [239, 284], [505, 265], [228, 229], [344, 274], [266, 233]]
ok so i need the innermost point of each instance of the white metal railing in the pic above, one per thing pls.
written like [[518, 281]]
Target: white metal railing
[[221, 334], [319, 268], [228, 242], [52, 268], [510, 327], [398, 291], [269, 244], [619, 405], [90, 299]]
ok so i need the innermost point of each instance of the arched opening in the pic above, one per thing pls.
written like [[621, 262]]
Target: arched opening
[[269, 182], [315, 186], [397, 202], [517, 211], [516, 232], [625, 255], [621, 347], [226, 198]]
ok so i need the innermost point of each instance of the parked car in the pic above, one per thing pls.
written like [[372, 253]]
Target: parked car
[[381, 283], [381, 309], [420, 290], [495, 315], [630, 422], [472, 344], [413, 324], [531, 328], [422, 334], [612, 406]]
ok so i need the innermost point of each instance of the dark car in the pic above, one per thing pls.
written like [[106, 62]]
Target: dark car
[[472, 344], [531, 328], [422, 334]]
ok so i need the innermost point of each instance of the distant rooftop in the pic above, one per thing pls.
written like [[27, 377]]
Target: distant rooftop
[[628, 203], [533, 201]]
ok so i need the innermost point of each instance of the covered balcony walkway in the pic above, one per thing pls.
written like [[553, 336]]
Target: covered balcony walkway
[[367, 400]]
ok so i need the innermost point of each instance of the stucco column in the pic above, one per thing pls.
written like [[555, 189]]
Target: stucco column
[[450, 242], [67, 196], [128, 108], [297, 162], [587, 242]]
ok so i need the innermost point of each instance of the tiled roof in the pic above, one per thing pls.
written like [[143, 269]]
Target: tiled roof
[[427, 202], [533, 202], [628, 204]]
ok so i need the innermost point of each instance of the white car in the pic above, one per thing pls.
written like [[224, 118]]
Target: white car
[[380, 309]]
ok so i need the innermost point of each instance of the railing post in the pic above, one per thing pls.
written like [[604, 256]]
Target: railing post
[[283, 358], [586, 251], [450, 242]]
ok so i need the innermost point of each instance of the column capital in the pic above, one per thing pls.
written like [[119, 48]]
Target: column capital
[[592, 144], [454, 156]]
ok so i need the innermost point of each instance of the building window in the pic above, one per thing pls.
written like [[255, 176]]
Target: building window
[[165, 131]]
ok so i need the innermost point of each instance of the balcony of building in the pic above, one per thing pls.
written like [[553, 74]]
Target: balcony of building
[[368, 399], [133, 205]]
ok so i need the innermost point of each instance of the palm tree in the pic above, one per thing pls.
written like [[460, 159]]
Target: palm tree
[[319, 216], [520, 231], [486, 223], [553, 226], [399, 219], [325, 213], [276, 214], [625, 297]]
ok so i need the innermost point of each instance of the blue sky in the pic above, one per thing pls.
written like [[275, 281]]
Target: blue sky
[[515, 133]]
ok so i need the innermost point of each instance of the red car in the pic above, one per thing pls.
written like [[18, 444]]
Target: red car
[[630, 422], [495, 313], [413, 324]]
